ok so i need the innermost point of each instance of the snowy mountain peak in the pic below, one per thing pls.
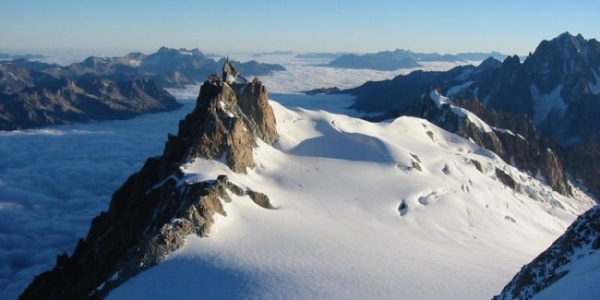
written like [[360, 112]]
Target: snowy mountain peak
[[151, 215], [364, 210]]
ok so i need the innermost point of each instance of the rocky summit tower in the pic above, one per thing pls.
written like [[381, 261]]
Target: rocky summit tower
[[229, 72]]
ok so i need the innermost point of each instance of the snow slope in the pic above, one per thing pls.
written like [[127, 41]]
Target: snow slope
[[338, 231]]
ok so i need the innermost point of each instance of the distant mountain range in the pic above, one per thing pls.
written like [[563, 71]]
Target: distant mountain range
[[34, 93], [557, 86], [321, 55], [276, 52], [7, 56], [66, 101], [169, 67], [402, 59]]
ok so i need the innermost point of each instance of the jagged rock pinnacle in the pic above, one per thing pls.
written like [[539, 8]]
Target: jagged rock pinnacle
[[227, 120]]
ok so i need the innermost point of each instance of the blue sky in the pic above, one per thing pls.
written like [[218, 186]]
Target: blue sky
[[512, 27]]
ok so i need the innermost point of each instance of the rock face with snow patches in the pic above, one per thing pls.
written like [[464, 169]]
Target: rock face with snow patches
[[567, 269], [557, 87], [510, 136], [153, 212]]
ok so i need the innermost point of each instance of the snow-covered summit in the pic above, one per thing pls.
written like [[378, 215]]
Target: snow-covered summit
[[364, 210]]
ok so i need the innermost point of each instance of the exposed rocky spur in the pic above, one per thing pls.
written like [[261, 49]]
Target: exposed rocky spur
[[510, 136]]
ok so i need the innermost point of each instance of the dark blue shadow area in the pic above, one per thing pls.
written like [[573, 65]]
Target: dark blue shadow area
[[343, 145], [183, 278]]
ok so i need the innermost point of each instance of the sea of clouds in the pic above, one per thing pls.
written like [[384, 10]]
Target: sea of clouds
[[54, 180]]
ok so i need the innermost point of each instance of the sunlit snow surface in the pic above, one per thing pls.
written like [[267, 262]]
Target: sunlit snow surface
[[337, 183], [53, 181]]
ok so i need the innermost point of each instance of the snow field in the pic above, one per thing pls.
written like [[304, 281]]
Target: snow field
[[337, 183]]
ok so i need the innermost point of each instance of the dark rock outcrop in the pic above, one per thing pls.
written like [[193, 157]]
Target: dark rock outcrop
[[506, 179], [157, 207], [522, 144], [324, 90], [584, 164], [509, 90], [581, 240], [65, 101]]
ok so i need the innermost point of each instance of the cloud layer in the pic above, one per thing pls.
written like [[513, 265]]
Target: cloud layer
[[53, 181]]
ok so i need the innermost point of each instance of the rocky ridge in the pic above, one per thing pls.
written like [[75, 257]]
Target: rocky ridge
[[168, 66], [579, 242], [65, 101], [157, 207], [393, 96], [510, 136], [557, 86], [19, 74]]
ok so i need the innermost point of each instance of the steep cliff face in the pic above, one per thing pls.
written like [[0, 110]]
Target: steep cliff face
[[509, 90], [584, 164], [567, 60], [225, 123], [556, 86], [153, 212]]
